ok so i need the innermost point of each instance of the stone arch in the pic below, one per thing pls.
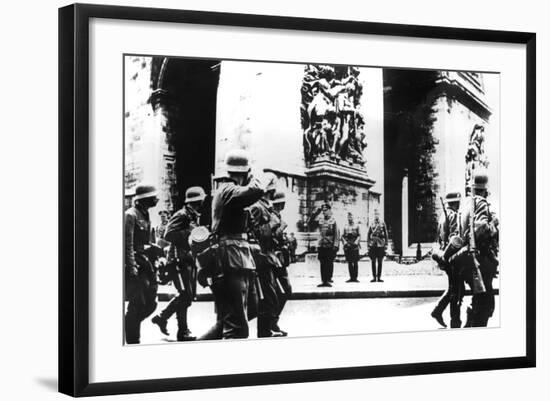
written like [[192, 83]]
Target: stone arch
[[184, 97]]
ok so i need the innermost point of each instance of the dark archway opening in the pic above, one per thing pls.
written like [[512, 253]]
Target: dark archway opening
[[191, 89], [409, 97]]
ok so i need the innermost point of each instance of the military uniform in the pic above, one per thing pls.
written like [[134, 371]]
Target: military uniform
[[185, 271], [350, 238], [447, 227], [292, 246], [377, 238], [229, 223], [485, 232], [141, 281], [263, 224], [327, 248], [284, 288]]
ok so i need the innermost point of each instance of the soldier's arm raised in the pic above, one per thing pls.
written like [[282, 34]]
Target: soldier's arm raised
[[246, 195]]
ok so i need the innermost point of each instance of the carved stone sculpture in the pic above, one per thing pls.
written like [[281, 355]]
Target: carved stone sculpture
[[332, 123]]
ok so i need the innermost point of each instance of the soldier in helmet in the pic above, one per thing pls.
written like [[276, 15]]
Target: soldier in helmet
[[140, 272], [263, 225], [229, 222], [182, 263], [447, 228], [476, 210], [284, 289]]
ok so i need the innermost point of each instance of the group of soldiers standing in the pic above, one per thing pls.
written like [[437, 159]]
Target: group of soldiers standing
[[468, 237], [243, 259], [330, 237]]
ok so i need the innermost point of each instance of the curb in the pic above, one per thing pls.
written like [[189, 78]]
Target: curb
[[421, 293]]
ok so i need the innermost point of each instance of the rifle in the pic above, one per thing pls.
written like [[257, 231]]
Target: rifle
[[446, 221], [477, 279]]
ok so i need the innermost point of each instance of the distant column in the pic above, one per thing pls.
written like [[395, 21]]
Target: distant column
[[404, 214]]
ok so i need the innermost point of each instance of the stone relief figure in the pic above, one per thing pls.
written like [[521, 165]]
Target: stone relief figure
[[475, 153], [332, 124]]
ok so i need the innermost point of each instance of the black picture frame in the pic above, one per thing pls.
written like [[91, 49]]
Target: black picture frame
[[74, 198]]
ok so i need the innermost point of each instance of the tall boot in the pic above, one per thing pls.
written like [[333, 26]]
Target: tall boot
[[379, 275], [264, 325], [373, 269], [131, 328], [469, 317], [184, 334]]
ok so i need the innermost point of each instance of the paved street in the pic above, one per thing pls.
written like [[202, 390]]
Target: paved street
[[325, 317], [422, 279]]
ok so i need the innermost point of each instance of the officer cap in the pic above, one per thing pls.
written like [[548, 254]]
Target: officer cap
[[270, 181], [194, 194], [145, 191], [237, 161], [279, 197], [452, 197], [480, 181]]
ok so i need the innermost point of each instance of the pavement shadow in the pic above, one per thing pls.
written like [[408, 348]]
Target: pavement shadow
[[48, 382]]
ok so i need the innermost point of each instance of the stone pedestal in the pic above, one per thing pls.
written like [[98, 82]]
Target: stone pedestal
[[344, 185]]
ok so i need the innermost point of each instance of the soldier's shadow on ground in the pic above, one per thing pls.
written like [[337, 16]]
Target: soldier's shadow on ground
[[48, 382]]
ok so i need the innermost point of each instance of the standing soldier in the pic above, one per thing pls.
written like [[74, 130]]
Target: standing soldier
[[263, 224], [229, 222], [475, 212], [447, 229], [377, 239], [328, 244], [292, 246], [140, 273], [351, 239], [184, 270], [284, 289], [161, 229]]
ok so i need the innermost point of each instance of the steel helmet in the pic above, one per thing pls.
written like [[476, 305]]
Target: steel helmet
[[194, 194], [480, 181], [145, 191], [237, 161], [279, 197], [453, 197]]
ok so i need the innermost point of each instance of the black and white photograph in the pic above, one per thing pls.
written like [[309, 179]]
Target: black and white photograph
[[279, 200]]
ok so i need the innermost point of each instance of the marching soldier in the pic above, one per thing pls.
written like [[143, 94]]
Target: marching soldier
[[229, 222], [447, 228], [182, 263], [139, 262], [284, 289], [328, 244], [263, 224], [476, 212], [351, 239], [377, 239]]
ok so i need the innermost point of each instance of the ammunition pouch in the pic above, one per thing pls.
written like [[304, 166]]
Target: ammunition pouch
[[438, 257], [166, 272], [466, 263]]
